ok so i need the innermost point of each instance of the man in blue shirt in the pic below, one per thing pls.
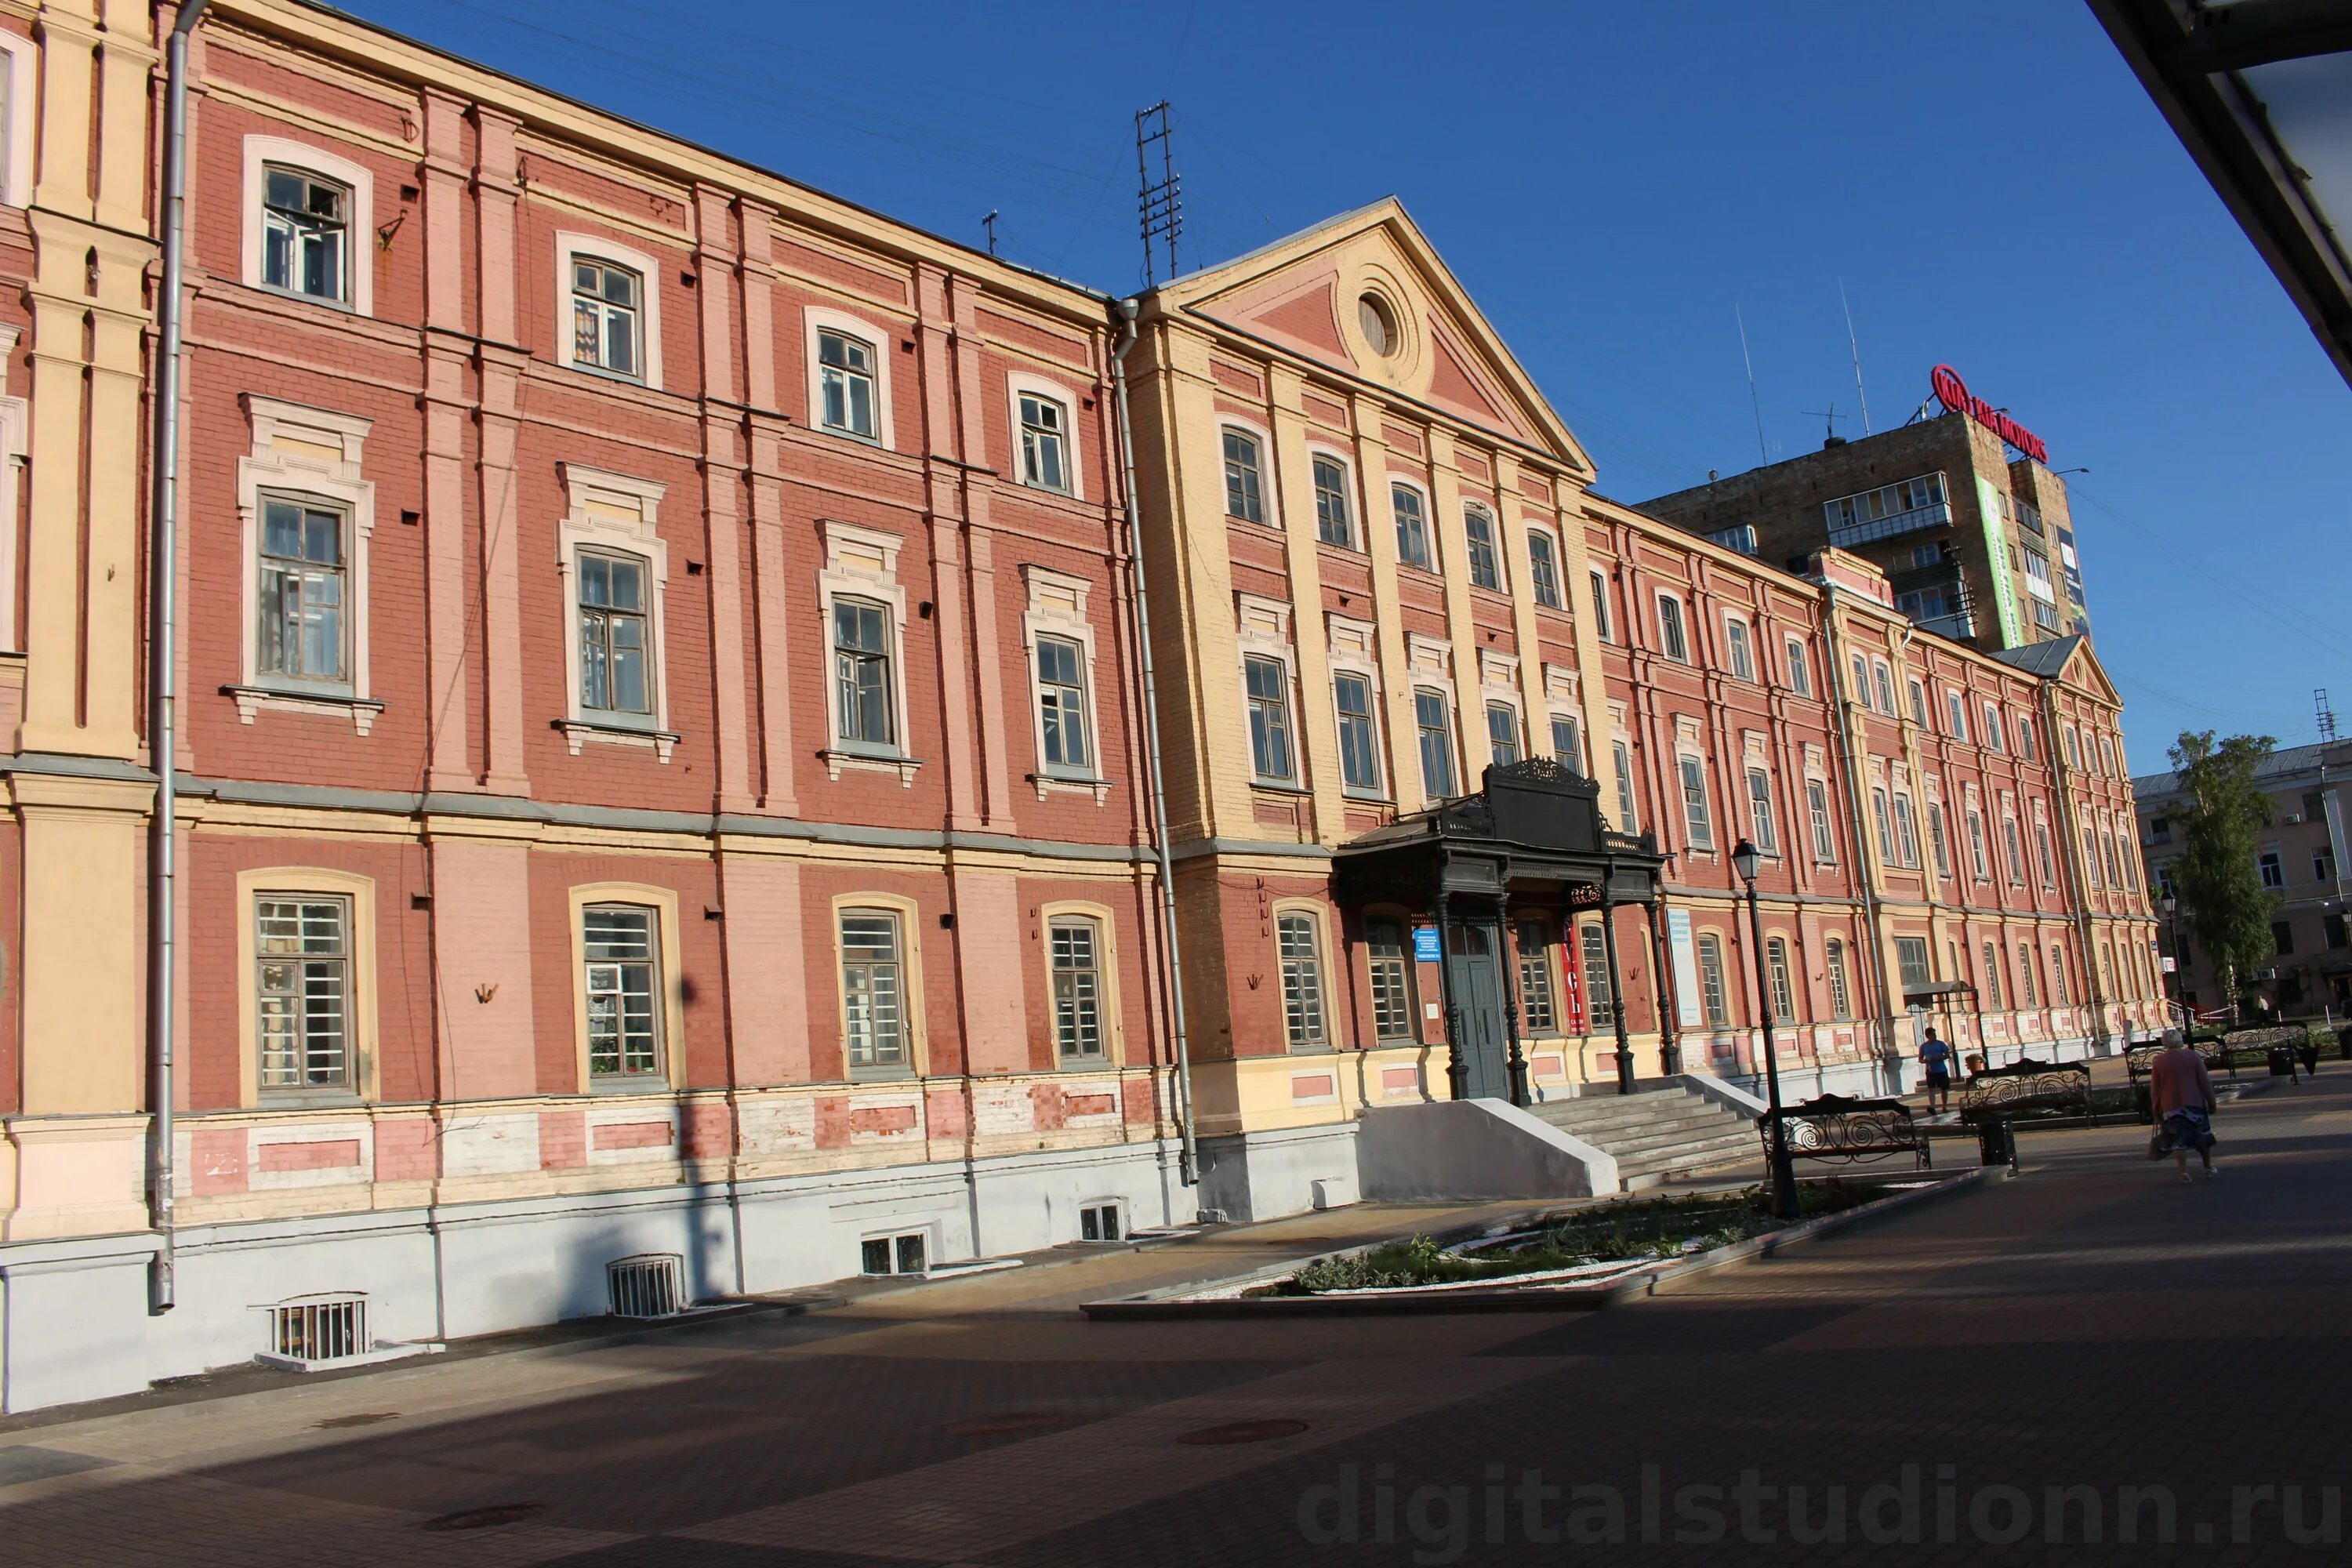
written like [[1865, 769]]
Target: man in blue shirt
[[1936, 1056]]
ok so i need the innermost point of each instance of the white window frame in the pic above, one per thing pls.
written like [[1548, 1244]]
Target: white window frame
[[1495, 548], [1956, 711], [1352, 645], [262, 150], [1057, 608], [1738, 648], [1820, 822], [1603, 620], [1764, 828], [1682, 627], [618, 513], [1995, 738], [1558, 568], [305, 452], [1262, 630], [1269, 481], [1698, 813], [359, 895], [1432, 562], [863, 564], [18, 58], [1018, 384], [815, 320], [1919, 711], [915, 1059], [1491, 699], [1882, 687], [15, 427], [1319, 935], [1800, 667], [1350, 492], [670, 1009], [1575, 721], [572, 247]]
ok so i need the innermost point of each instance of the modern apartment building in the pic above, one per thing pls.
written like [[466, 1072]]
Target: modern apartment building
[[1978, 543], [2300, 856]]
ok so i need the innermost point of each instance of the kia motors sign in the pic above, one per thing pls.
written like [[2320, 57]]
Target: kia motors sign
[[1953, 394]]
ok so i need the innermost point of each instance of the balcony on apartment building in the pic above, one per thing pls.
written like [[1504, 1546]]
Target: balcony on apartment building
[[1889, 510], [1935, 598]]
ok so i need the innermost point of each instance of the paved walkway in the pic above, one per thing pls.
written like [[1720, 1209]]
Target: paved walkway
[[2178, 1356]]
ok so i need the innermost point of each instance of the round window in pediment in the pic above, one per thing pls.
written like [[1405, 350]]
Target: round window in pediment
[[1377, 323]]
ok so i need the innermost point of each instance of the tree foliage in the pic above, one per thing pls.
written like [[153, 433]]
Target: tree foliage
[[2220, 887]]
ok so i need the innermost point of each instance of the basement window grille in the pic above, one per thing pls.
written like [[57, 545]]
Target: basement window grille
[[320, 1328], [648, 1285]]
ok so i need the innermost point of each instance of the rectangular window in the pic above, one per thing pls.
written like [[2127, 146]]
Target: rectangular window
[[1670, 640], [2338, 931], [305, 234], [607, 329], [1694, 807], [1993, 739], [302, 592], [1543, 569], [1600, 1014], [1911, 959], [2025, 997], [2057, 974], [1743, 661], [1412, 526], [1958, 712], [864, 705], [1302, 982], [873, 990], [844, 367], [1800, 670], [2041, 854], [1883, 690], [1062, 704], [1992, 976], [1568, 743], [2273, 870], [1536, 1010], [1077, 961], [1625, 761], [1335, 523], [1776, 960], [1976, 845], [1919, 705], [2025, 739], [1359, 758], [1244, 494], [892, 1255], [1394, 1016], [303, 991], [1710, 980], [1759, 812], [1601, 625], [1479, 531], [1268, 680], [1502, 733], [1817, 806], [2323, 866], [2014, 851], [1907, 833], [1885, 825], [1841, 999], [1044, 443], [2091, 857], [1436, 732], [617, 987], [614, 634], [1890, 509]]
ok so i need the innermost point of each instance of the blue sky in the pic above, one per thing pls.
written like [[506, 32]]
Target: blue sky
[[1989, 182]]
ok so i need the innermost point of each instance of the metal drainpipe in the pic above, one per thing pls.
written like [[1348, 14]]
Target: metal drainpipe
[[1188, 1170], [2070, 828], [1854, 802], [162, 651]]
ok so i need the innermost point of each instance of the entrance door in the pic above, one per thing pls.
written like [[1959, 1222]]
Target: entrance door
[[1474, 973]]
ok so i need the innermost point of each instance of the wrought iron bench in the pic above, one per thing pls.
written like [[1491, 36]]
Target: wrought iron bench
[[2251, 1048], [1836, 1127], [2139, 1061], [2027, 1084]]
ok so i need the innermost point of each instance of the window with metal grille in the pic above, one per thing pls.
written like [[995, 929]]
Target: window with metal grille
[[1436, 732], [1710, 980], [1243, 497], [614, 634], [1076, 962], [606, 327], [1412, 526], [1992, 976], [907, 1254], [1535, 1009], [320, 1328], [1694, 807], [1044, 443], [1100, 1222], [1841, 1000], [1268, 684], [1776, 960], [1911, 961], [1543, 569], [1360, 757], [845, 376], [1392, 965], [1478, 533], [1062, 705], [873, 990], [1670, 640], [1623, 759], [623, 1031], [302, 591], [1734, 641], [1817, 806], [1568, 743], [865, 705], [1301, 950], [1759, 812], [649, 1285], [1502, 733], [1600, 996], [1335, 522], [303, 991], [305, 234]]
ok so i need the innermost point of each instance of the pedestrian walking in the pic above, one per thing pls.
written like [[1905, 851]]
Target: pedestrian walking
[[2182, 1092], [2309, 1052], [1935, 1059]]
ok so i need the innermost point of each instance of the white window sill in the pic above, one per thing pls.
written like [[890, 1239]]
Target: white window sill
[[578, 732], [836, 761], [252, 700], [1365, 797], [1071, 783], [1278, 786], [329, 301]]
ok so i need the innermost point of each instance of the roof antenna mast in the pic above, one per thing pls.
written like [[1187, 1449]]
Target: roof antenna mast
[[2326, 714], [1855, 346], [1745, 359], [1160, 203]]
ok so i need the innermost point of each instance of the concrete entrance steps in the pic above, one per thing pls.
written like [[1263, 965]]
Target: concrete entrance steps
[[1656, 1135]]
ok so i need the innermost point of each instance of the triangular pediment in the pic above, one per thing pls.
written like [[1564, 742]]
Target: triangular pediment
[[2083, 669], [1307, 294]]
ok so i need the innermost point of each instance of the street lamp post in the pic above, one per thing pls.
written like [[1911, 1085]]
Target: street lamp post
[[2179, 963], [1784, 1173]]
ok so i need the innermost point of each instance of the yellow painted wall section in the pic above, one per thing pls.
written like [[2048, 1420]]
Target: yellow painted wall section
[[84, 960]]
